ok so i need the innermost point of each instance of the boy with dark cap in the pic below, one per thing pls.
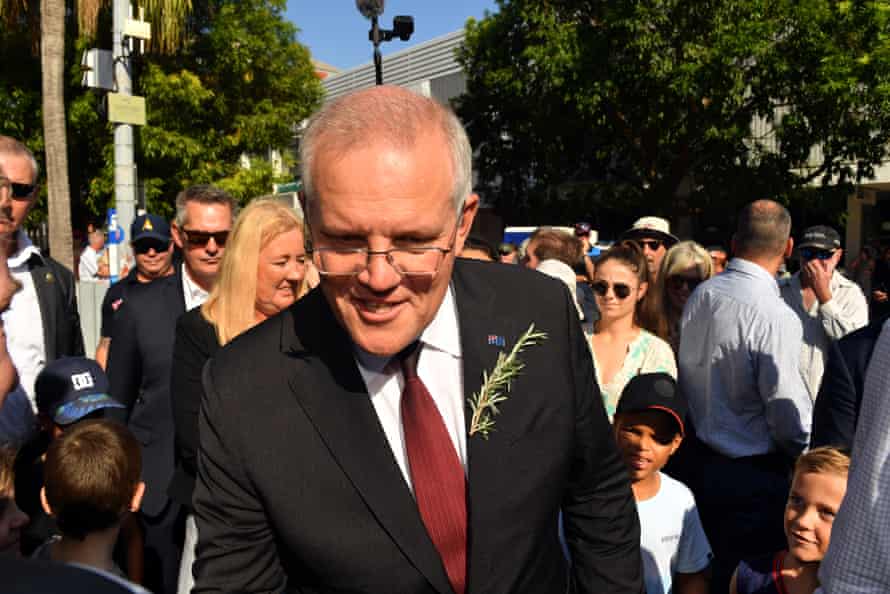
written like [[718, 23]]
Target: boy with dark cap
[[68, 390], [649, 427]]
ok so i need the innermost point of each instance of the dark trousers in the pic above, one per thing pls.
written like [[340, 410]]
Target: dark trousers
[[164, 535], [741, 502]]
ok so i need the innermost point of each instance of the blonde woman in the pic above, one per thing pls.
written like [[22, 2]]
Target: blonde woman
[[685, 266], [262, 273]]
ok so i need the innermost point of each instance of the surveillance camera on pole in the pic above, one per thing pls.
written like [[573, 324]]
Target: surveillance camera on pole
[[403, 27]]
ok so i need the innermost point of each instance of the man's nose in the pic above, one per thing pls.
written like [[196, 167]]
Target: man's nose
[[380, 275]]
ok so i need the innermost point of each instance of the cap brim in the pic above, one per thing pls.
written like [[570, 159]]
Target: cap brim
[[635, 233], [151, 235], [673, 414], [75, 410]]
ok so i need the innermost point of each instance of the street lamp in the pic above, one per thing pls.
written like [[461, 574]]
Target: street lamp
[[402, 27]]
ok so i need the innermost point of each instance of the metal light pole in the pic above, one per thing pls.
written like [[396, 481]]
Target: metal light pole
[[402, 27], [124, 163]]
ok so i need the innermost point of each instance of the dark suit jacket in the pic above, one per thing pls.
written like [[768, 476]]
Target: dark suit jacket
[[297, 482], [196, 342], [840, 395], [139, 363], [57, 299]]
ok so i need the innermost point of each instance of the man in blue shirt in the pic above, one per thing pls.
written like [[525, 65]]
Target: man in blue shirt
[[739, 367]]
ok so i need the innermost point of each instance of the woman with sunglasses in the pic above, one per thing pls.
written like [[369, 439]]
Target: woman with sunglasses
[[621, 348], [684, 267], [263, 271]]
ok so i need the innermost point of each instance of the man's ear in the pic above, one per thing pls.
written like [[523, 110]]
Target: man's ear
[[138, 494], [465, 221], [176, 232], [789, 248], [44, 503], [675, 445]]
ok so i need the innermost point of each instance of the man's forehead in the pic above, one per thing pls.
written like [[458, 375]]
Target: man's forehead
[[18, 168]]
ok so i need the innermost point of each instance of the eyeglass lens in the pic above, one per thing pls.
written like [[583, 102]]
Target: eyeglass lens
[[202, 238], [621, 290], [652, 244], [143, 246], [22, 190], [810, 254]]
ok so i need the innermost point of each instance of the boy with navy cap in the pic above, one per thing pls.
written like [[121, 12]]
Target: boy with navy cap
[[649, 427], [67, 390]]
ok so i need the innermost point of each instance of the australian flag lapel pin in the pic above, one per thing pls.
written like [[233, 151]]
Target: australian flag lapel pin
[[495, 340]]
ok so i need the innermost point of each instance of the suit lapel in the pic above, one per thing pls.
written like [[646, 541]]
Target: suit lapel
[[347, 422], [45, 285], [483, 334]]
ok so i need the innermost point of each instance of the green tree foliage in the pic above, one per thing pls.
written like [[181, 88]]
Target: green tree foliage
[[238, 84], [676, 105]]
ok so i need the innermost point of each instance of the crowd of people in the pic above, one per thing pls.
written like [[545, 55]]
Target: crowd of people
[[376, 399]]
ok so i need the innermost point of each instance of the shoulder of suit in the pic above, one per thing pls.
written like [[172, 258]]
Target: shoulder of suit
[[57, 268]]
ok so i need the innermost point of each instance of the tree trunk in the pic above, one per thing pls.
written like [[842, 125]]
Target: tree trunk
[[52, 59]]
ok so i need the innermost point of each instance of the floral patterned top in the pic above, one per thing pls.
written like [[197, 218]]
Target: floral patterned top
[[646, 354]]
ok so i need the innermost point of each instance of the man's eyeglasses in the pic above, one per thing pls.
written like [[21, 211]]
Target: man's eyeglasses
[[621, 290], [143, 246], [419, 261], [202, 238], [677, 283], [22, 191], [816, 254], [651, 244]]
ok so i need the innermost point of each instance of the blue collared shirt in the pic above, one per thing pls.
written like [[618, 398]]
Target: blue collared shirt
[[739, 365]]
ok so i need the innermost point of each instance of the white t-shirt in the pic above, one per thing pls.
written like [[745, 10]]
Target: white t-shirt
[[672, 540]]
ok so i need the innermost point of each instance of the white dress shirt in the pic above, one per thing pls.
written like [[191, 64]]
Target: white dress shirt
[[195, 296], [737, 368], [439, 367], [824, 323], [88, 265], [857, 558]]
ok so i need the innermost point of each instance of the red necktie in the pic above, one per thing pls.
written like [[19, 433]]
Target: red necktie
[[440, 486]]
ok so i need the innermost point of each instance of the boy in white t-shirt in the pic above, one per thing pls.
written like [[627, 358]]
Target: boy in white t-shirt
[[649, 429]]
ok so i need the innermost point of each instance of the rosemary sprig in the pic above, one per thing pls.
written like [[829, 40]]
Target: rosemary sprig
[[496, 385]]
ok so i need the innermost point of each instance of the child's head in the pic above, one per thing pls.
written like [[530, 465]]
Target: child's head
[[819, 485], [649, 423], [12, 519], [91, 477], [69, 390]]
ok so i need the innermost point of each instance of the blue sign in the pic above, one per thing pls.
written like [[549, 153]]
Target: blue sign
[[115, 232]]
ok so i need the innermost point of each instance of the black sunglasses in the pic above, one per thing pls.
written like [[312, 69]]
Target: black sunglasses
[[143, 246], [22, 191], [815, 254], [202, 238], [621, 290], [652, 244], [678, 282]]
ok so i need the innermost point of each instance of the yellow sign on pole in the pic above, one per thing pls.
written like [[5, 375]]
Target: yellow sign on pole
[[126, 109]]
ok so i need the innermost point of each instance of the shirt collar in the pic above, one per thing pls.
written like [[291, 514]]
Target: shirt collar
[[25, 250], [441, 334], [195, 291], [751, 269]]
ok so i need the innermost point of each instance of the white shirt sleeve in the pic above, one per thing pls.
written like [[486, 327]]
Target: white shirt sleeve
[[694, 552]]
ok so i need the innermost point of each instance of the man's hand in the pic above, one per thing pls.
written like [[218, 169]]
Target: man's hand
[[879, 296], [819, 274]]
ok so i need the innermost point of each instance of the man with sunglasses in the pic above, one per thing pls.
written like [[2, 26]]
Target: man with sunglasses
[[829, 305], [655, 237], [141, 351], [337, 449], [42, 323], [152, 248]]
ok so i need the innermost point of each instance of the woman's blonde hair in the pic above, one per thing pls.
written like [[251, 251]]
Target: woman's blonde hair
[[679, 258], [232, 302]]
